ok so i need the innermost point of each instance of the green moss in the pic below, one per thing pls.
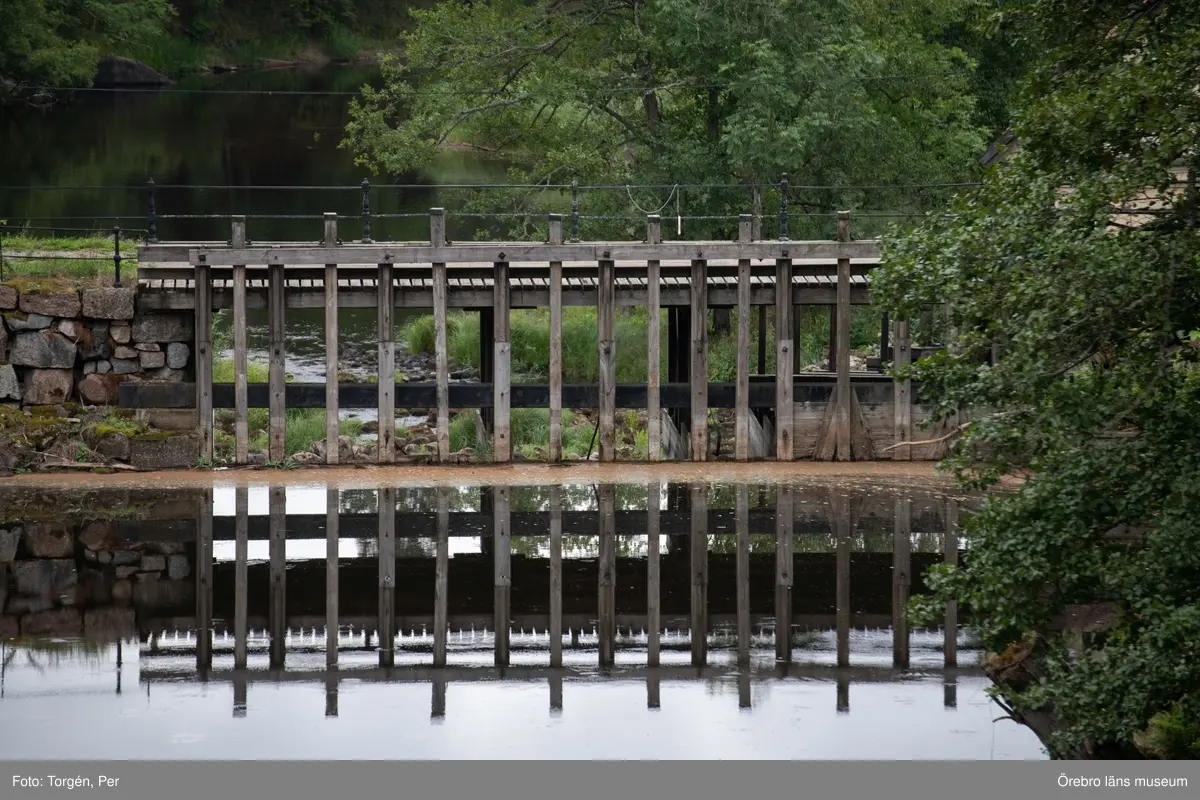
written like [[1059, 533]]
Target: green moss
[[43, 423], [43, 411]]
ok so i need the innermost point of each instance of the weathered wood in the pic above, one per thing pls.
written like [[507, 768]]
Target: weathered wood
[[699, 361], [653, 345], [332, 427], [332, 509], [437, 237], [607, 612], [861, 447], [204, 361], [502, 430], [825, 447], [698, 544], [556, 576], [653, 575], [843, 342], [204, 581], [241, 576], [556, 365], [742, 415], [441, 579], [742, 523], [784, 446], [784, 518], [502, 555], [901, 581], [278, 575], [606, 341], [843, 531], [385, 453], [276, 376], [950, 548], [387, 576], [902, 394], [241, 349]]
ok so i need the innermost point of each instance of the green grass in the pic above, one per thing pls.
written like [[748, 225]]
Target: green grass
[[25, 254], [530, 434]]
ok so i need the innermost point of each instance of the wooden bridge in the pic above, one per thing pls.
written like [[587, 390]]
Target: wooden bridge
[[831, 415]]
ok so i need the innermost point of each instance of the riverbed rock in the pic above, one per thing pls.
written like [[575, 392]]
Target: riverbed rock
[[48, 387], [117, 71], [101, 390], [163, 328], [59, 622], [125, 366], [43, 350], [48, 540], [177, 355], [113, 303], [152, 360], [8, 298], [10, 387], [9, 541], [164, 452], [43, 577], [121, 334], [109, 624], [59, 304], [17, 322], [114, 446]]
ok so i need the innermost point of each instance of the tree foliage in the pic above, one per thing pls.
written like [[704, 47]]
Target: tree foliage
[[1080, 258]]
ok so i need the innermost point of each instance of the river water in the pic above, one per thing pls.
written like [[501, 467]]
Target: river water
[[109, 585]]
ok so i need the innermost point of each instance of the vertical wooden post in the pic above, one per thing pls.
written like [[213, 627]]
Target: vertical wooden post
[[204, 582], [902, 395], [843, 530], [241, 575], [332, 428], [843, 342], [742, 526], [653, 576], [653, 343], [784, 514], [742, 422], [441, 623], [901, 567], [437, 237], [386, 451], [241, 403], [606, 306], [784, 367], [699, 563], [204, 359], [556, 237], [502, 553], [332, 507], [556, 577], [387, 576], [607, 575], [950, 547], [502, 435], [276, 376], [278, 575], [699, 360]]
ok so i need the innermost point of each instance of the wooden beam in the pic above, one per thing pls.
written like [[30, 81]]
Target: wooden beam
[[653, 344], [441, 579], [276, 376], [606, 342], [204, 361], [385, 453], [502, 432], [843, 343], [241, 349], [502, 555], [784, 446], [387, 576], [332, 510], [902, 394], [437, 237], [332, 426], [556, 365], [742, 415], [699, 361]]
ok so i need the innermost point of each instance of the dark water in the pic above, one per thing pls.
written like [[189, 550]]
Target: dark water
[[109, 589]]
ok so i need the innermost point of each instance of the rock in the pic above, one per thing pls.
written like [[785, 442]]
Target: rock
[[125, 558], [8, 298], [152, 360], [126, 572], [109, 624], [98, 535], [29, 605], [163, 594], [125, 366], [114, 303], [163, 328], [9, 541], [9, 628], [105, 556], [177, 355], [3, 342], [94, 346], [45, 578], [48, 540], [68, 328], [153, 564], [101, 390], [148, 347], [155, 452], [27, 322], [165, 548], [62, 304], [121, 334], [60, 622], [43, 350], [308, 458], [48, 387], [167, 374], [89, 367], [10, 388], [103, 367], [122, 591], [124, 352], [116, 71], [370, 426], [172, 419], [178, 568], [114, 446], [257, 458]]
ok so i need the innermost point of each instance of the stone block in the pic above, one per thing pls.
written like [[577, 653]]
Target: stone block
[[8, 298], [164, 452], [42, 350], [124, 351], [168, 375], [153, 564], [99, 535], [163, 328], [148, 347], [114, 446], [164, 594], [177, 355], [121, 334], [101, 390], [125, 366], [9, 627], [18, 321], [48, 540], [48, 387], [103, 367], [172, 419], [178, 568], [59, 622], [68, 328], [152, 360], [125, 558], [114, 303], [89, 367], [43, 577], [122, 590], [110, 624], [10, 540], [58, 304], [10, 387], [3, 342]]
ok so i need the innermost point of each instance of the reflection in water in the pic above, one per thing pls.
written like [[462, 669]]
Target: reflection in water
[[578, 621]]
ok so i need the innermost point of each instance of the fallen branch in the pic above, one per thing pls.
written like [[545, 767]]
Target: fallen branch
[[78, 465], [955, 432]]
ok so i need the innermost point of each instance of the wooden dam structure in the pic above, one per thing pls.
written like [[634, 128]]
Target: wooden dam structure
[[833, 415]]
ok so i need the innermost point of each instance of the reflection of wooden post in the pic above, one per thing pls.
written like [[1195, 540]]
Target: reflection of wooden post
[[332, 504], [240, 575], [204, 585], [699, 563], [502, 538], [950, 645], [742, 525], [556, 686], [607, 575], [653, 699], [331, 696], [950, 691], [783, 573], [278, 575], [843, 693], [556, 631], [441, 579], [743, 682], [239, 695], [437, 710], [901, 565], [653, 575], [843, 530], [387, 576]]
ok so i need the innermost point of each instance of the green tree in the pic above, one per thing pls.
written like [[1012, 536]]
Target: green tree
[[1080, 258]]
